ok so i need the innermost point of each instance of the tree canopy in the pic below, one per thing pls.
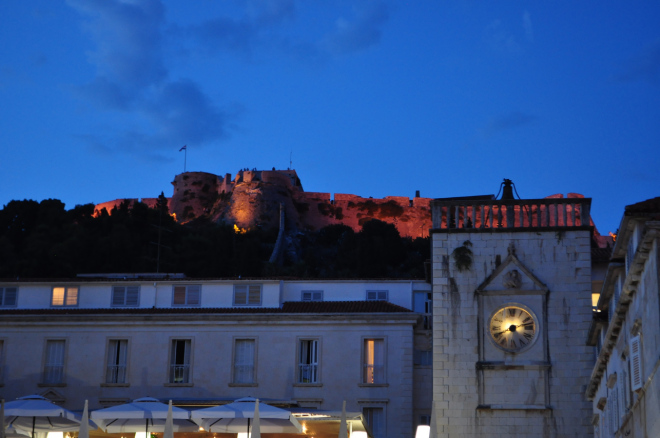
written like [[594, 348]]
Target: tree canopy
[[44, 240]]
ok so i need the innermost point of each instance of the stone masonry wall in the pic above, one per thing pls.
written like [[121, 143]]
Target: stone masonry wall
[[560, 260]]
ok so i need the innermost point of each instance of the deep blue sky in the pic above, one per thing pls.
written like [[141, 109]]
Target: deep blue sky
[[372, 98]]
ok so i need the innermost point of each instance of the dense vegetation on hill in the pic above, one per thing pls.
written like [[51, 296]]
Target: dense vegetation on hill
[[44, 240]]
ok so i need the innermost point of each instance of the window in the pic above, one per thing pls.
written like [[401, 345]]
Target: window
[[247, 295], [375, 418], [374, 361], [2, 360], [8, 296], [376, 295], [308, 361], [423, 304], [180, 361], [65, 296], [312, 295], [636, 379], [54, 363], [244, 360], [126, 296], [422, 357], [117, 352], [187, 295]]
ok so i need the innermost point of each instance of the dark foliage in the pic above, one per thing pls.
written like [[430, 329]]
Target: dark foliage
[[42, 239]]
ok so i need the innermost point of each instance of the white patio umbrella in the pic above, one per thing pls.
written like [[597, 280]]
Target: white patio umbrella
[[236, 417], [143, 414], [35, 413]]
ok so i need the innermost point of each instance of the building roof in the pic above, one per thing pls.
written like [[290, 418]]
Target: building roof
[[643, 208], [287, 307]]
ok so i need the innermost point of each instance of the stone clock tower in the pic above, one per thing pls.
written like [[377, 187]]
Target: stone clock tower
[[511, 306]]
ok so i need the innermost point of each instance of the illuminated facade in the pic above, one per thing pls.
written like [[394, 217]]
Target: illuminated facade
[[306, 345], [512, 285], [625, 331]]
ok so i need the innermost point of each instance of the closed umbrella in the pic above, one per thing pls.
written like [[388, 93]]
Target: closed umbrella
[[34, 413], [256, 424], [343, 426], [143, 414], [84, 424], [169, 423], [236, 417]]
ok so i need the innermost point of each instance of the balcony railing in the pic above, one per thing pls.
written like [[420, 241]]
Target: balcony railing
[[520, 213], [308, 373], [180, 374], [116, 374]]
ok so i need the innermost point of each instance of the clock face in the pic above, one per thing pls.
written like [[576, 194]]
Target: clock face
[[513, 328]]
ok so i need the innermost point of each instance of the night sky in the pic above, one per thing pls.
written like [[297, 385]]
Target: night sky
[[372, 98]]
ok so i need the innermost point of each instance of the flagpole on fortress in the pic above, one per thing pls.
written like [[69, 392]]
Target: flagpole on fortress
[[185, 156]]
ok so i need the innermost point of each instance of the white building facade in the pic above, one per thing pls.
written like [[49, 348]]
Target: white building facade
[[625, 332], [303, 344]]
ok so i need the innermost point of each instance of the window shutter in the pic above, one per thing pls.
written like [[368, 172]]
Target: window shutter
[[132, 296], [118, 295], [193, 295], [9, 298], [180, 295], [72, 296], [636, 363], [240, 295], [254, 295]]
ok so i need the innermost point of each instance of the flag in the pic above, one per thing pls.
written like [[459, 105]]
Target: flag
[[184, 148]]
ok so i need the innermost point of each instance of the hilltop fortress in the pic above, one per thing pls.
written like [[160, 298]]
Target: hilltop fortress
[[256, 198]]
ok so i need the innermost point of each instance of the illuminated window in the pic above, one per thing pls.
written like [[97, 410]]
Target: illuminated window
[[54, 362], [8, 296], [187, 295], [376, 295], [308, 361], [244, 360], [312, 295], [117, 355], [374, 361], [125, 296], [180, 361], [247, 295], [65, 296]]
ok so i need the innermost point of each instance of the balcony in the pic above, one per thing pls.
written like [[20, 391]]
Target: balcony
[[525, 214]]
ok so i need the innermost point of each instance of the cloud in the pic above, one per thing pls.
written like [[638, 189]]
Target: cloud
[[131, 77], [505, 122], [645, 66], [363, 31], [262, 26]]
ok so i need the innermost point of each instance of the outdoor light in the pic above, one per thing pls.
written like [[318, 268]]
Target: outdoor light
[[243, 435], [141, 435], [55, 435], [359, 435], [423, 431]]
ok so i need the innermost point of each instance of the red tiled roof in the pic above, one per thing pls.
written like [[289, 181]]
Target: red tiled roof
[[287, 307]]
